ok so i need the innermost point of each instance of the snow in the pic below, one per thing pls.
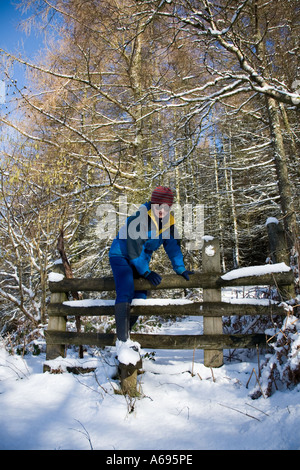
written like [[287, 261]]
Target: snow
[[295, 350], [183, 405], [272, 220], [295, 98], [55, 277], [89, 303], [104, 302], [256, 271], [252, 301], [209, 250], [128, 352], [207, 238]]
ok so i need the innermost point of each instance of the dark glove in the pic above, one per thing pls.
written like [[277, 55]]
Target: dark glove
[[154, 278], [185, 274]]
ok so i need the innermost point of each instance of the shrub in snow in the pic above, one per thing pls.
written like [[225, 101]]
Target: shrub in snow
[[282, 368]]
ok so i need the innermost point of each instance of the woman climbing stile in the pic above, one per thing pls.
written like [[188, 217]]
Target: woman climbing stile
[[130, 254]]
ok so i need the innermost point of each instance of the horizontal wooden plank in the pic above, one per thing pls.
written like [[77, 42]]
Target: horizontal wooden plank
[[61, 310], [151, 341], [75, 338], [172, 281], [205, 309]]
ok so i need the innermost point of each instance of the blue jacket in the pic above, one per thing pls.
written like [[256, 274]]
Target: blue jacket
[[142, 235]]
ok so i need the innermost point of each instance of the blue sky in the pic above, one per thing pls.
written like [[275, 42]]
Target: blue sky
[[11, 37], [14, 40]]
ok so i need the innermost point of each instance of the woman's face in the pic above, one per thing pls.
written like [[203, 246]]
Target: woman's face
[[160, 210]]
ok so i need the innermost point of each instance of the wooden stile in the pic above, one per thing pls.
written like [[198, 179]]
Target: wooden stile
[[213, 341]]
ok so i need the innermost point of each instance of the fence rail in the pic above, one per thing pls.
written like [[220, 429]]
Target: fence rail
[[203, 309], [209, 280], [151, 341]]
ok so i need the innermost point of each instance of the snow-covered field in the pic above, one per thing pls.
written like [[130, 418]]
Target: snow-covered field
[[183, 406]]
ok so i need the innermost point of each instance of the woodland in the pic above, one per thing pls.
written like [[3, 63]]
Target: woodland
[[125, 95]]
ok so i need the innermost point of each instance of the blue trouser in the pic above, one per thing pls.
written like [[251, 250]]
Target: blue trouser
[[124, 275]]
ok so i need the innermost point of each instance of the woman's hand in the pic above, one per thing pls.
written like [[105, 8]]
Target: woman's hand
[[153, 277], [186, 274]]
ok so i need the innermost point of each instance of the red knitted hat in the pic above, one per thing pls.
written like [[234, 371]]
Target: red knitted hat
[[162, 195]]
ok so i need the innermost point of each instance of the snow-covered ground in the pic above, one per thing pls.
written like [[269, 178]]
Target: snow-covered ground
[[183, 406]]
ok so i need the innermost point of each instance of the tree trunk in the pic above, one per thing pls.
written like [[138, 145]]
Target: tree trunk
[[286, 202]]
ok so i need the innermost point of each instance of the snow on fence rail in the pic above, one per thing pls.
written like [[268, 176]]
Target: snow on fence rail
[[213, 341]]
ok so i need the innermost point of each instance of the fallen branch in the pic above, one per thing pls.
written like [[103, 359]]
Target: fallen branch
[[239, 411]]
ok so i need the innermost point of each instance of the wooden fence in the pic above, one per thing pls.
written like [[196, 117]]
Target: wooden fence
[[213, 341]]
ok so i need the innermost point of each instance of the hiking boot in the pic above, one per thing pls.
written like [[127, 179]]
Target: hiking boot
[[122, 316]]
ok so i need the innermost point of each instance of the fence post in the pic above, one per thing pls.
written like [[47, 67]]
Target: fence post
[[212, 325], [56, 323]]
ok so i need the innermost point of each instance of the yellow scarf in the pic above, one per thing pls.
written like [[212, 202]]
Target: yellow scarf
[[167, 224]]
